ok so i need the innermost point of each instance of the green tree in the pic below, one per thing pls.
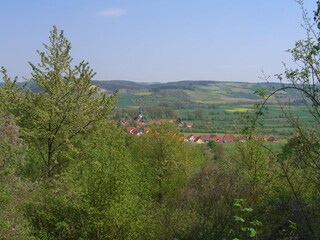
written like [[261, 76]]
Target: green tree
[[256, 166], [66, 106], [95, 198], [13, 191], [199, 114], [207, 203], [299, 160], [164, 165]]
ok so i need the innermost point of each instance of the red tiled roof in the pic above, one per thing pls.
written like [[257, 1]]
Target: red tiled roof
[[136, 132], [139, 123], [206, 138], [228, 138], [129, 129], [217, 138], [197, 139]]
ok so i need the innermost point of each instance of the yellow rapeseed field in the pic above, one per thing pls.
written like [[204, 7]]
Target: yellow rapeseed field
[[241, 110]]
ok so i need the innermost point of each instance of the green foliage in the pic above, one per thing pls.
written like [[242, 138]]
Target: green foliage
[[114, 191], [212, 144], [300, 157], [12, 148], [158, 112], [13, 191], [256, 166], [246, 230], [95, 198], [207, 203], [164, 165], [67, 106], [199, 114]]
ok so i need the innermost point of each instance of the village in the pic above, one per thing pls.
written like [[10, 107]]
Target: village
[[141, 127]]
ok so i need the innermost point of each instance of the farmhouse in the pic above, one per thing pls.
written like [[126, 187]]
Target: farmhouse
[[217, 139], [228, 138], [136, 132], [130, 129], [191, 138], [187, 124], [206, 138], [198, 140]]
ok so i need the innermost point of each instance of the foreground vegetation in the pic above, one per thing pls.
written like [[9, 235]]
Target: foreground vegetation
[[68, 171]]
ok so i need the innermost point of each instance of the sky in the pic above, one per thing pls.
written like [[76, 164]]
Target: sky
[[157, 40]]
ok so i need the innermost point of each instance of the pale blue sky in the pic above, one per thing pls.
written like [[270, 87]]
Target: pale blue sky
[[157, 40]]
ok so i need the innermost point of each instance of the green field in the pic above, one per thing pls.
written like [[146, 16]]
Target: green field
[[212, 107]]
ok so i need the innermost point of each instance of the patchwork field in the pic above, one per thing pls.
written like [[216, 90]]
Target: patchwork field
[[212, 107]]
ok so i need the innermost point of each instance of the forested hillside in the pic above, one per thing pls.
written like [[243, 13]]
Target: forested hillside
[[69, 170]]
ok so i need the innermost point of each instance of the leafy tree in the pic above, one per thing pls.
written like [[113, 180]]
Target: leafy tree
[[66, 106], [12, 147], [164, 165], [95, 198], [159, 111], [13, 191], [212, 144], [165, 159], [199, 113], [256, 167], [207, 203], [299, 160], [132, 112], [246, 230]]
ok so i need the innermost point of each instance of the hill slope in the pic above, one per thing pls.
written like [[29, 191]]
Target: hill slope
[[205, 92]]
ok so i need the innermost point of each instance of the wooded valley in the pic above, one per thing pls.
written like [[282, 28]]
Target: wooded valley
[[70, 170]]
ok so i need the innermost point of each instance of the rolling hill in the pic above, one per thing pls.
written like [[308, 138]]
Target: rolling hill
[[201, 92]]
